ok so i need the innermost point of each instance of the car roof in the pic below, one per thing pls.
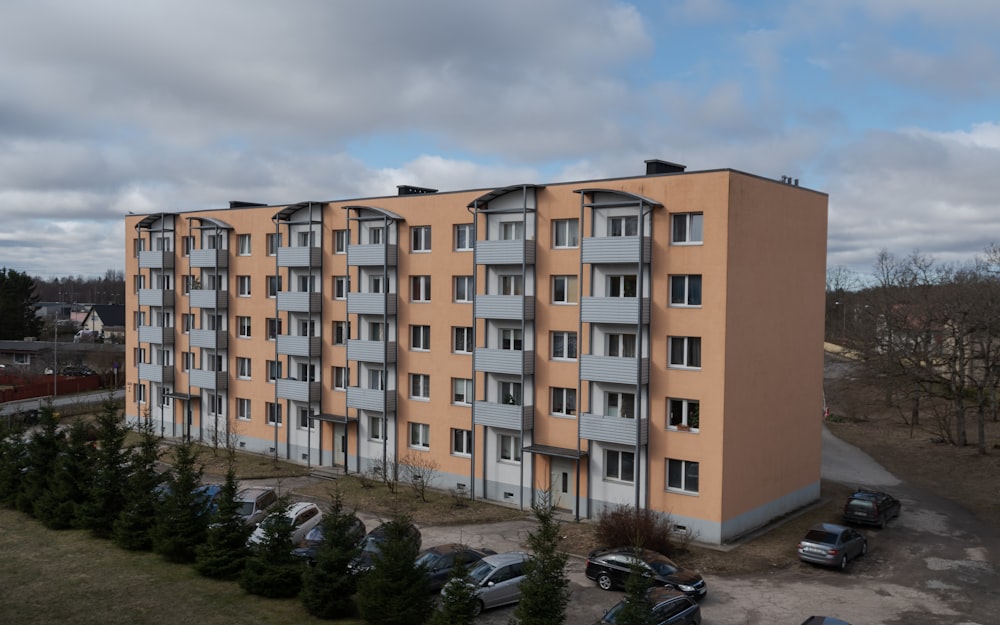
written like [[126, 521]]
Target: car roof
[[253, 491], [829, 527], [662, 594], [503, 559], [299, 506]]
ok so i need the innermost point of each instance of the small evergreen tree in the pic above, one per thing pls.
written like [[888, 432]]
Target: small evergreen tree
[[329, 586], [134, 526], [107, 491], [60, 506], [272, 570], [181, 523], [545, 588], [458, 603], [225, 550], [13, 458], [637, 609], [43, 449], [395, 591]]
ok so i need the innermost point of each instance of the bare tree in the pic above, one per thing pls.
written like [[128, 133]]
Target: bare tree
[[420, 472]]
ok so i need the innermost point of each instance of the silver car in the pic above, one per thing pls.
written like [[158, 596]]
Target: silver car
[[497, 579], [832, 545]]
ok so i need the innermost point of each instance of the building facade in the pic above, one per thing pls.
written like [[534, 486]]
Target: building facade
[[653, 340]]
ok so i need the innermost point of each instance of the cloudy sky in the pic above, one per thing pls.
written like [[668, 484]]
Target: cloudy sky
[[110, 106]]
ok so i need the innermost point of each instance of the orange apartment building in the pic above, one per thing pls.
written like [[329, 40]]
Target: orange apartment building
[[653, 340]]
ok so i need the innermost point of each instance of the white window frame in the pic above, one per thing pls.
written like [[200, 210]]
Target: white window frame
[[244, 327], [684, 410], [511, 284], [140, 393], [461, 391], [341, 332], [376, 235], [509, 448], [420, 386], [243, 286], [463, 289], [273, 286], [461, 442], [420, 338], [420, 239], [340, 239], [614, 465], [376, 431], [341, 377], [682, 467], [511, 340], [513, 390], [570, 290], [568, 230], [187, 322], [274, 370], [623, 226], [614, 401], [511, 230], [462, 336], [243, 245], [420, 289], [687, 229], [563, 401], [274, 416], [568, 338], [307, 420], [273, 243], [689, 347], [243, 407], [244, 367], [420, 436], [273, 327], [621, 284], [465, 234], [619, 344], [340, 287], [682, 283]]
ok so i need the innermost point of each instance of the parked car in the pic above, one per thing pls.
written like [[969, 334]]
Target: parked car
[[440, 560], [871, 507], [497, 579], [670, 607], [371, 546], [832, 545], [310, 544], [254, 503], [611, 567], [824, 620], [208, 495], [302, 516]]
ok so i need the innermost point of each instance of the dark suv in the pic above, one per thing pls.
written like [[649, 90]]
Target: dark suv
[[871, 507]]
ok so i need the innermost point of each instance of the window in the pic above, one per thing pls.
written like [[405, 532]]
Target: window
[[187, 244], [376, 283], [683, 414], [273, 286], [420, 338], [510, 339], [376, 379], [215, 404], [565, 233], [22, 359], [243, 244], [564, 345], [462, 343], [341, 330], [510, 393], [273, 328], [463, 289], [464, 236], [138, 282], [420, 288], [187, 322], [376, 331], [243, 368], [686, 228], [307, 373], [420, 239], [306, 420], [420, 435], [273, 243], [511, 284], [340, 378], [685, 351], [243, 409], [375, 428], [340, 287], [461, 391], [512, 231], [340, 238], [139, 245], [620, 405], [565, 290], [622, 286], [621, 345], [273, 370], [461, 442], [564, 401], [619, 465], [510, 448], [420, 386], [140, 393], [273, 413], [682, 475], [623, 226], [243, 325], [685, 290], [306, 238], [187, 361], [376, 236]]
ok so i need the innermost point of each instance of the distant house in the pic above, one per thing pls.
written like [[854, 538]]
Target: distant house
[[22, 355], [108, 320]]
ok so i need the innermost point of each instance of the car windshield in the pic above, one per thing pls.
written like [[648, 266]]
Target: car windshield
[[821, 536], [315, 535], [662, 566], [371, 545], [428, 560], [612, 614], [480, 572], [246, 508], [862, 503]]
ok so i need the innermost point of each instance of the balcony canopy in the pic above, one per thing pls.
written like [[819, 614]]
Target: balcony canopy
[[370, 213], [482, 202], [621, 198]]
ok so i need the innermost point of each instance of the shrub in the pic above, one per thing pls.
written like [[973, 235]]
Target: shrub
[[626, 526]]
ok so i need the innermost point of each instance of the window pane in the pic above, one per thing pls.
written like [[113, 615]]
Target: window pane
[[694, 290]]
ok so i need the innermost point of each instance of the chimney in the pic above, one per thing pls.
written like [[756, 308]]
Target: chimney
[[405, 189], [656, 166]]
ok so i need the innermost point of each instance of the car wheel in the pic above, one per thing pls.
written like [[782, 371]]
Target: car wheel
[[477, 607], [843, 562], [604, 581]]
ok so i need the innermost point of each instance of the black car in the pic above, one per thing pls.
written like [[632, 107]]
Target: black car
[[371, 546], [440, 560], [824, 620], [669, 607], [314, 538], [610, 568], [871, 507]]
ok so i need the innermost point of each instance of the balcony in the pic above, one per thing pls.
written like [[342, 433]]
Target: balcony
[[503, 416], [156, 297], [505, 361], [306, 346], [207, 259], [615, 250], [209, 339], [209, 380], [614, 370], [300, 257], [156, 259], [614, 309], [298, 390], [300, 301], [371, 399], [613, 429], [163, 374], [505, 252], [208, 298], [371, 255], [372, 303], [372, 351], [156, 335], [513, 307]]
